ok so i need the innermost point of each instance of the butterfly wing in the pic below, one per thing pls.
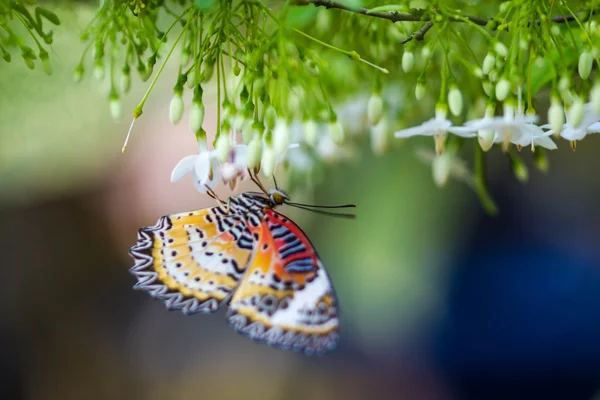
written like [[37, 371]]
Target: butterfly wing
[[192, 261], [285, 297]]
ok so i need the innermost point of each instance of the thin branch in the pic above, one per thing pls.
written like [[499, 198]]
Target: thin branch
[[420, 34], [395, 16]]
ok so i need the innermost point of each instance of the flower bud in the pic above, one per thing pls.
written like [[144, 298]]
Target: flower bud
[[564, 83], [487, 87], [309, 129], [519, 169], [502, 89], [78, 73], [501, 49], [115, 106], [420, 90], [455, 101], [176, 108], [576, 112], [595, 98], [125, 83], [585, 64], [374, 109], [485, 137], [254, 152], [223, 146], [336, 132], [408, 61], [99, 71], [380, 137], [46, 65], [556, 115], [555, 30], [425, 53], [270, 117], [247, 131], [540, 159], [488, 63], [267, 163], [196, 115], [441, 167], [281, 137]]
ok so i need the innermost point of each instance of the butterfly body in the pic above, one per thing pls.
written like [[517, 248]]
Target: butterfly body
[[245, 255]]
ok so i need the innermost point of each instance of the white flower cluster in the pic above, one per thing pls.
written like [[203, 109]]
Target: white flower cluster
[[230, 160], [514, 126]]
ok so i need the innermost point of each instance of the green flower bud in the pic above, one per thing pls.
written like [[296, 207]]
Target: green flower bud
[[485, 137], [99, 71], [270, 117], [223, 146], [420, 89], [425, 53], [408, 61], [236, 70], [540, 158], [519, 169], [247, 131], [46, 65], [455, 100], [311, 67], [309, 130], [267, 161], [254, 152], [487, 87], [501, 49], [585, 64], [281, 137], [556, 115], [441, 167], [115, 106], [176, 108], [564, 83], [78, 73], [375, 109], [381, 137], [488, 63], [336, 132], [196, 115], [125, 82], [502, 89], [576, 112]]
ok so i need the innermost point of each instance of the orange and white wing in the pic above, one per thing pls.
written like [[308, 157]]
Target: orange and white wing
[[285, 298], [192, 261]]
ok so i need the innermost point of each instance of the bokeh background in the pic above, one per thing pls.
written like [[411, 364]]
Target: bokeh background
[[439, 301]]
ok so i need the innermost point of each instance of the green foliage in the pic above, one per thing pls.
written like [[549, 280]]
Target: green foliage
[[17, 15]]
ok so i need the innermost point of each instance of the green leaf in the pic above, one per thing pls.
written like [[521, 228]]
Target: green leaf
[[387, 8], [203, 5]]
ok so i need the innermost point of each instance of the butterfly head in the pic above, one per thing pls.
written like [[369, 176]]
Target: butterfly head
[[278, 197]]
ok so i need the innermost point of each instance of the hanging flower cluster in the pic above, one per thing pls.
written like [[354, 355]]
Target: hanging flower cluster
[[478, 70], [16, 15]]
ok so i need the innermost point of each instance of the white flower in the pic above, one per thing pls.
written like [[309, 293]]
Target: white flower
[[588, 124], [437, 127], [534, 135], [509, 127], [203, 167]]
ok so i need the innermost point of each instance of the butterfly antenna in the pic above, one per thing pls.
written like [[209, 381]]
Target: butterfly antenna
[[328, 213], [275, 182], [212, 194], [319, 206]]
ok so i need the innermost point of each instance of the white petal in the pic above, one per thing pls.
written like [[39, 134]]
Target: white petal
[[463, 131], [427, 128], [240, 156], [202, 167], [594, 128], [571, 133], [184, 167], [545, 142]]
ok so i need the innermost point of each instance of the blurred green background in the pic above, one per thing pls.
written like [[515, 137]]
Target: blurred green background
[[438, 300]]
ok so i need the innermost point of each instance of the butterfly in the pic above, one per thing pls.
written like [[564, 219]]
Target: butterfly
[[244, 255]]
